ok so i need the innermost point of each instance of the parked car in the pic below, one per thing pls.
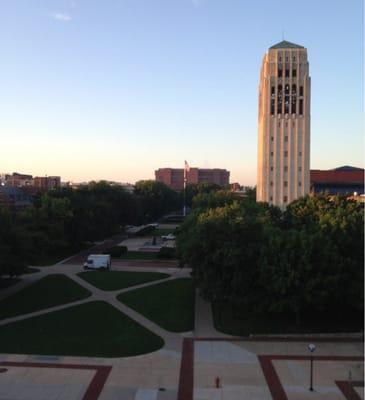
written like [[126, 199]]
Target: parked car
[[98, 261]]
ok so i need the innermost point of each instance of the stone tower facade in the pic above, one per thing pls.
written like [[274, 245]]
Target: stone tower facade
[[284, 125]]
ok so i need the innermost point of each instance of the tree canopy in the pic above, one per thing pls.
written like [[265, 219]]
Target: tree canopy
[[309, 257]]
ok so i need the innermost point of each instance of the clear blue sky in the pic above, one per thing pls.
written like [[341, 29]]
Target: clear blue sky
[[114, 89]]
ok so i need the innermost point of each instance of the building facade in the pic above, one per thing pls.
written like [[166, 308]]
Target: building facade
[[284, 125], [18, 180], [174, 177], [344, 180], [47, 182]]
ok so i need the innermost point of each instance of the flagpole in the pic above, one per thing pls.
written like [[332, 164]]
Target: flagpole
[[184, 207]]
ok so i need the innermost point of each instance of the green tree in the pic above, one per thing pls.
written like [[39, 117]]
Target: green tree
[[13, 245], [156, 199]]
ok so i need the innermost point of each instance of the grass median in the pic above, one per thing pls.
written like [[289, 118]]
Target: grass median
[[115, 280], [50, 291], [94, 329], [168, 304]]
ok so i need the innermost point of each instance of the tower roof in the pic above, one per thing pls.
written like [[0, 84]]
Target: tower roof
[[286, 45]]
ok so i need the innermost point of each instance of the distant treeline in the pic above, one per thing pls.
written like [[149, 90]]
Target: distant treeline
[[59, 223]]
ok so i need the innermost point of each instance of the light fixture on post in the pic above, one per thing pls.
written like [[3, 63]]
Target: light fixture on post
[[312, 348]]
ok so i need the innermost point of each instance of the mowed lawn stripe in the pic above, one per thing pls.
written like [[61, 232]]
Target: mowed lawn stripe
[[115, 280], [93, 329], [50, 291], [168, 304]]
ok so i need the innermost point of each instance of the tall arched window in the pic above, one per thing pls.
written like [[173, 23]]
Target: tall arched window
[[280, 98], [287, 98], [272, 101], [294, 99], [301, 92]]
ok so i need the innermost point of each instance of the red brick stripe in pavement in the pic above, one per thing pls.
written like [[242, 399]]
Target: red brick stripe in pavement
[[96, 385], [305, 339], [145, 263], [347, 389], [186, 382], [273, 380]]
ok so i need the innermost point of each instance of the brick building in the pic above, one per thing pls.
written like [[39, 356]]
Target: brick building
[[18, 180], [47, 182], [342, 180], [174, 177]]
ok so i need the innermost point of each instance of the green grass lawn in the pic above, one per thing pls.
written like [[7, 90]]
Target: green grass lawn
[[169, 304], [50, 291], [7, 282], [139, 255], [114, 280], [94, 329], [245, 323]]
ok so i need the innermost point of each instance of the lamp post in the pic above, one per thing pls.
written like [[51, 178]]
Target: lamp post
[[311, 348]]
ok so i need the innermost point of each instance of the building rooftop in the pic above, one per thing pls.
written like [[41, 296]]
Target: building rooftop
[[286, 45], [341, 175]]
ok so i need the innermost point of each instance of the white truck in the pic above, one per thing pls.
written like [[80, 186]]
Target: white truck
[[98, 261]]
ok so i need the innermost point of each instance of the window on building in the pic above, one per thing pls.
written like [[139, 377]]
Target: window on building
[[272, 106], [285, 184], [271, 183], [270, 198], [301, 91], [300, 183], [285, 168], [280, 98], [300, 168], [285, 154], [300, 153], [294, 73], [287, 97], [285, 138], [271, 168], [293, 58], [280, 71], [285, 199], [286, 59], [294, 99], [279, 58], [286, 72], [272, 138], [300, 106]]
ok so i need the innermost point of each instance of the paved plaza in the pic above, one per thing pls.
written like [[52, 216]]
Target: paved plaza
[[189, 366]]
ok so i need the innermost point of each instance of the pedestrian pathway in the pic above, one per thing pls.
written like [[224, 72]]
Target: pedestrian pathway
[[204, 324], [71, 271]]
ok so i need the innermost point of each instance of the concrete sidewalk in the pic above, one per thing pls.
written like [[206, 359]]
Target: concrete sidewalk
[[204, 324]]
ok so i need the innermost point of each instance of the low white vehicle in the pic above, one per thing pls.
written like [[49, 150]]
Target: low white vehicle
[[98, 261], [170, 236]]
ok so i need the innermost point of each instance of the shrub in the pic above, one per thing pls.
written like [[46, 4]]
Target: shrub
[[116, 251], [167, 253]]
